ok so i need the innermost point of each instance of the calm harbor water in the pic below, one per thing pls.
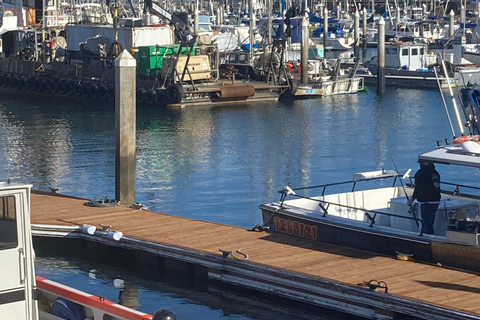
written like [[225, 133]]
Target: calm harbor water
[[214, 164]]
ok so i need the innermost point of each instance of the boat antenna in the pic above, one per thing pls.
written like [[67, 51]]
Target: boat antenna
[[395, 166], [443, 99], [445, 71]]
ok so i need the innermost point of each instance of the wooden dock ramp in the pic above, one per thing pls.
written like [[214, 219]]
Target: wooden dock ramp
[[318, 274]]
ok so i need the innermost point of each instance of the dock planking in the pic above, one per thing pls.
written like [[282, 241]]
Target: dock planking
[[424, 283]]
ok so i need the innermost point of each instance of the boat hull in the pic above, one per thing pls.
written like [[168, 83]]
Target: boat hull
[[280, 221], [420, 248]]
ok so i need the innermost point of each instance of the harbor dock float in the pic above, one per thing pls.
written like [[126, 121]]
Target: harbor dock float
[[327, 276]]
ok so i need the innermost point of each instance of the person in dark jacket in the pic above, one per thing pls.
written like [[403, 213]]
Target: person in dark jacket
[[427, 193]]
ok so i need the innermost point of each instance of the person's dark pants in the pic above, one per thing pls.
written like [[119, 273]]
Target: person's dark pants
[[428, 211]]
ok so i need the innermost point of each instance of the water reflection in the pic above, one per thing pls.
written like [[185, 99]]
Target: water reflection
[[149, 294], [219, 163]]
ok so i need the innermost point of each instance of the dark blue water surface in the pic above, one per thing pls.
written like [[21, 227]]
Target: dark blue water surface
[[215, 163]]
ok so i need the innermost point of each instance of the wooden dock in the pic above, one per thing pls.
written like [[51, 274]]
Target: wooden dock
[[300, 270]]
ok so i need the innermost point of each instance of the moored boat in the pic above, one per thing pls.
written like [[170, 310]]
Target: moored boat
[[379, 219], [25, 296]]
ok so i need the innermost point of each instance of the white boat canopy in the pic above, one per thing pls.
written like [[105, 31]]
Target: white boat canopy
[[465, 154]]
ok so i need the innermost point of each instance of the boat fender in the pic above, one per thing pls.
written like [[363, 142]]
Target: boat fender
[[67, 309], [51, 85], [175, 93], [164, 315], [229, 91], [140, 95], [85, 89], [8, 80], [149, 96], [102, 92], [93, 91], [290, 92], [160, 98], [16, 82], [38, 85], [60, 87], [22, 83], [30, 83], [69, 88], [111, 93]]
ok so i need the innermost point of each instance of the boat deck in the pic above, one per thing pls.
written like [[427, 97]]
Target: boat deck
[[446, 293]]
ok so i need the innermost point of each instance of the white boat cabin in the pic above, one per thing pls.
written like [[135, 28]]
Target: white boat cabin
[[25, 296], [16, 253], [412, 57]]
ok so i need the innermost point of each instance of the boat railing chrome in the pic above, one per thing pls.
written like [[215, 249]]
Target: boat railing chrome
[[383, 174], [456, 191], [368, 213]]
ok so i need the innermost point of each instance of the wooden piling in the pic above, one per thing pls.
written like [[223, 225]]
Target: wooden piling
[[356, 35], [381, 57], [451, 23], [325, 28], [304, 49], [125, 127], [364, 38]]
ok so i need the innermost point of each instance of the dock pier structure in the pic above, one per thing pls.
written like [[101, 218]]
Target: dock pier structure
[[293, 269]]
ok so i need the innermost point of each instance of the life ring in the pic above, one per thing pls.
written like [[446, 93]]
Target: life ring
[[160, 98], [462, 139], [140, 95], [149, 96], [175, 93]]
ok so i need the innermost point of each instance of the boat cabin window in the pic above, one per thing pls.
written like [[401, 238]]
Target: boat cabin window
[[8, 223], [391, 50], [414, 51], [233, 58], [243, 58], [405, 52]]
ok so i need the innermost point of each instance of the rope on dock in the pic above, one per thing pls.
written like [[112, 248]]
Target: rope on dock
[[374, 285], [227, 253]]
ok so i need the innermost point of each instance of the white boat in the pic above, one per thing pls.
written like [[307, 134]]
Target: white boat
[[411, 30], [25, 296], [378, 219], [340, 36]]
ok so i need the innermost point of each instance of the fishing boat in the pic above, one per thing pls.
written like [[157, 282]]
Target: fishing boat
[[377, 218], [412, 64], [26, 296], [174, 67]]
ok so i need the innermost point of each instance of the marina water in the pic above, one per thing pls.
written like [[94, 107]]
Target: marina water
[[215, 164]]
